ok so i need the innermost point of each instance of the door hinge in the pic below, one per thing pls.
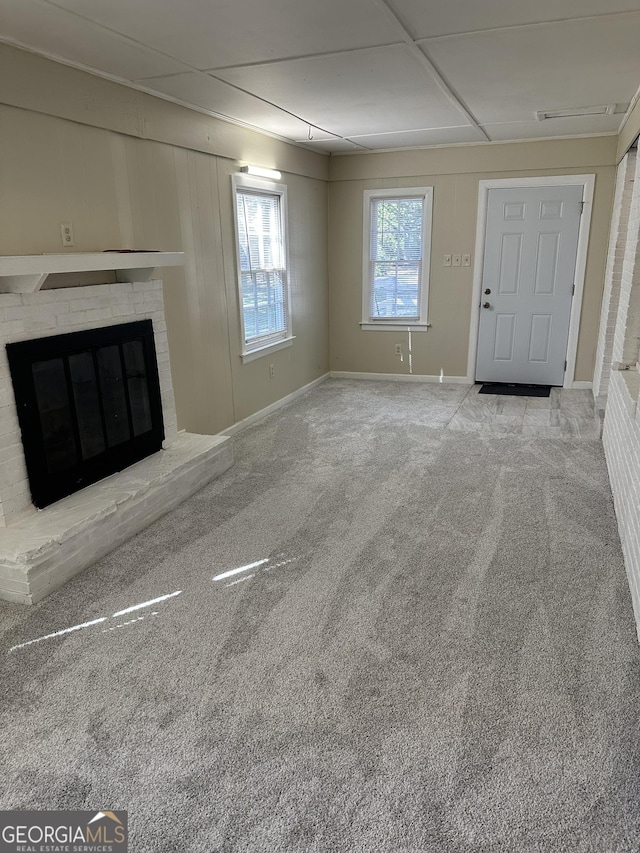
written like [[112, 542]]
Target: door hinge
[[573, 289], [582, 204], [565, 365]]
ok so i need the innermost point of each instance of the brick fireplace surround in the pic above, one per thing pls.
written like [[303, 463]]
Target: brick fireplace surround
[[41, 549]]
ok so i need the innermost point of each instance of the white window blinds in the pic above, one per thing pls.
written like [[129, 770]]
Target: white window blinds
[[261, 256]]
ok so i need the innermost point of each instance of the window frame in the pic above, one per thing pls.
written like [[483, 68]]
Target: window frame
[[421, 323], [263, 344]]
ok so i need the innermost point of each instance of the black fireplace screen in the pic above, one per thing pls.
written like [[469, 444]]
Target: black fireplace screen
[[88, 405]]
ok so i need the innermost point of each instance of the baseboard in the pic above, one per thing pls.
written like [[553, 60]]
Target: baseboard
[[273, 407], [582, 384], [399, 377], [425, 377]]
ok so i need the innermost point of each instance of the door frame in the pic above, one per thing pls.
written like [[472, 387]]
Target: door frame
[[588, 184]]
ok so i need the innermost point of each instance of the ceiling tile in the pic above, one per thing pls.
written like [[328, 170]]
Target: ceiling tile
[[201, 90], [317, 136], [577, 126], [331, 146], [209, 34], [362, 92], [53, 31], [508, 75], [425, 20], [420, 138], [381, 96]]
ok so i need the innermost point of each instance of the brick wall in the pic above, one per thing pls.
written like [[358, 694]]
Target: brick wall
[[621, 434], [51, 312], [613, 274], [626, 339], [621, 439]]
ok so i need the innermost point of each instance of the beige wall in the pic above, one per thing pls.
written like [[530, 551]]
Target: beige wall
[[130, 170], [454, 172], [34, 83]]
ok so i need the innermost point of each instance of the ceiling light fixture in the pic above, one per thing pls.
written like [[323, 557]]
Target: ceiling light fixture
[[259, 172], [571, 112]]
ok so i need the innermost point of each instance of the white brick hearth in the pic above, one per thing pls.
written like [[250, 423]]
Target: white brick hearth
[[41, 549]]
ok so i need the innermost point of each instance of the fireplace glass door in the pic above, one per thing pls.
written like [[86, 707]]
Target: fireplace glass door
[[88, 405]]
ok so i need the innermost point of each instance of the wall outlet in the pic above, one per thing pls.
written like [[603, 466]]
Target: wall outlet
[[456, 260], [272, 371], [466, 260], [66, 232], [398, 349], [447, 261]]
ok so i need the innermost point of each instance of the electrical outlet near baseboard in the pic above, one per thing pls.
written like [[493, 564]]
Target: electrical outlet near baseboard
[[66, 232]]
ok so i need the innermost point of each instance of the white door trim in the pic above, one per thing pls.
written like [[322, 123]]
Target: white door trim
[[588, 184]]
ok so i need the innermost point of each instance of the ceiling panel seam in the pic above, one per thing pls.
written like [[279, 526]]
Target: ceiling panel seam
[[281, 109], [192, 69], [319, 55], [530, 25], [123, 36], [189, 69], [421, 55], [145, 90]]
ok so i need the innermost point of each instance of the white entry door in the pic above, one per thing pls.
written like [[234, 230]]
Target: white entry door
[[530, 253]]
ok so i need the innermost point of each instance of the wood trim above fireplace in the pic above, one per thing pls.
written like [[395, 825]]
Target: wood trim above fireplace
[[27, 273]]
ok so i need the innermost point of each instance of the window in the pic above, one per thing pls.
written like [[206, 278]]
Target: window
[[261, 245], [397, 243]]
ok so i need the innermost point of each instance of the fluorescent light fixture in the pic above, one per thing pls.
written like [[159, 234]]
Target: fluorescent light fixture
[[571, 112], [259, 172]]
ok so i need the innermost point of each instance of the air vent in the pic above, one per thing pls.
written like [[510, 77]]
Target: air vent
[[571, 112]]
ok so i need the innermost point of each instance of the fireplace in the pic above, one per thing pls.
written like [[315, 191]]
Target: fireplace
[[99, 389], [88, 405]]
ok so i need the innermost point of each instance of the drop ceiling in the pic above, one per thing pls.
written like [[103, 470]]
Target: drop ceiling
[[349, 75]]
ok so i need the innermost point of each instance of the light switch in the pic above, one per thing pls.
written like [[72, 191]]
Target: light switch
[[456, 260], [447, 261]]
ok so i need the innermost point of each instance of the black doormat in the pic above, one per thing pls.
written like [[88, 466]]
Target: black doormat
[[515, 390]]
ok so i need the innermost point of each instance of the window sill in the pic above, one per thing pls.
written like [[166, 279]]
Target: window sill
[[265, 350], [384, 326]]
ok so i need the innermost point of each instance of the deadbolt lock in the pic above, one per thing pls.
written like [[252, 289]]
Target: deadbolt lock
[[488, 291]]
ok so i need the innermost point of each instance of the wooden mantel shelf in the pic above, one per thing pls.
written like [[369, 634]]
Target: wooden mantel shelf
[[27, 273]]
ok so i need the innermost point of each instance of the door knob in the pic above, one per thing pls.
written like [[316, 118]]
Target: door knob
[[486, 305]]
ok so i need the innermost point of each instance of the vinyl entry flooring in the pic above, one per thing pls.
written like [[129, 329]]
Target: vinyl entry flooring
[[566, 413]]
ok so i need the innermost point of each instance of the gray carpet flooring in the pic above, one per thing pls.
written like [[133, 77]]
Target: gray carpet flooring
[[434, 651]]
